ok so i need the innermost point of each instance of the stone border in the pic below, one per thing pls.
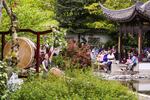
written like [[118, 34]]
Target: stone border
[[143, 97], [110, 76]]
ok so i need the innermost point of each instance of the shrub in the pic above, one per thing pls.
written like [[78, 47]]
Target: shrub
[[82, 86], [78, 54], [59, 61], [3, 81]]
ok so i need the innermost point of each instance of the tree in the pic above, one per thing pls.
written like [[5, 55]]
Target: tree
[[77, 14], [72, 14], [35, 14]]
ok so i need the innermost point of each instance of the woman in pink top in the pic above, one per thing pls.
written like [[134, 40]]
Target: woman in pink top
[[100, 57]]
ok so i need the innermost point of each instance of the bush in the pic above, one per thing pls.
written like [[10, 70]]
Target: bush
[[3, 81], [82, 86], [59, 61]]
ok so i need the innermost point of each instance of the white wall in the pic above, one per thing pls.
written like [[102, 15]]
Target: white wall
[[102, 38]]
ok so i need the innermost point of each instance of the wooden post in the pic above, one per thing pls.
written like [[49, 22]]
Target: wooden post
[[79, 36], [3, 44], [119, 47], [38, 53], [139, 43], [139, 39]]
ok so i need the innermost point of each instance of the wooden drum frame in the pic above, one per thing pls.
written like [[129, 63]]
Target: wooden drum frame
[[26, 52]]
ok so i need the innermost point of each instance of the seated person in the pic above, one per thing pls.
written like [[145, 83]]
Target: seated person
[[128, 61], [105, 61], [46, 63], [132, 62], [99, 60], [110, 58], [93, 56], [100, 57]]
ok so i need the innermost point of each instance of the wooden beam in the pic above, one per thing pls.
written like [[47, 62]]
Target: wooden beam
[[28, 30], [35, 32]]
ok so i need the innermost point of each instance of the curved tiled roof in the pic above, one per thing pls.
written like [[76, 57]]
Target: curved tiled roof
[[125, 15], [144, 9]]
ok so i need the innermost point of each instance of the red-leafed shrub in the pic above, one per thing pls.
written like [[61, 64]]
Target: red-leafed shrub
[[78, 55]]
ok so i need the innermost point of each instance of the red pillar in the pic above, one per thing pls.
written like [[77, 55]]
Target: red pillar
[[38, 53], [3, 44]]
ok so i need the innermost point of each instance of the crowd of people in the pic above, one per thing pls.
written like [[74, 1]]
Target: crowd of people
[[103, 57], [84, 53]]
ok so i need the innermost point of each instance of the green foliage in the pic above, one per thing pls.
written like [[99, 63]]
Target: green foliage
[[73, 15], [56, 38], [32, 14], [37, 15], [82, 86], [3, 81], [59, 61], [118, 4], [64, 62]]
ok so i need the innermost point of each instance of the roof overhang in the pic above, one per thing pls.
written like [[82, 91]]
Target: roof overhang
[[128, 14]]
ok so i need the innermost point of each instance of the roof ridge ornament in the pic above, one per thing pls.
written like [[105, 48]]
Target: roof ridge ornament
[[145, 6]]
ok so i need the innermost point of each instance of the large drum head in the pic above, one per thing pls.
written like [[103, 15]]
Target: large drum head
[[26, 52]]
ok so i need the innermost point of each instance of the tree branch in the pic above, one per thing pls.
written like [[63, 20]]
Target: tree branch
[[9, 12]]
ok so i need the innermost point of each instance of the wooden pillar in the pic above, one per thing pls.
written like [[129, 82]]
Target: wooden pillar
[[3, 44], [119, 47], [38, 53], [139, 43], [54, 36], [79, 36]]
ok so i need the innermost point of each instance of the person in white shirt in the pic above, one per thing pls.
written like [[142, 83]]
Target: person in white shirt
[[110, 58], [93, 55]]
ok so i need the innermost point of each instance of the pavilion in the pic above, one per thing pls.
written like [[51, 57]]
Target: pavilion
[[135, 19]]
